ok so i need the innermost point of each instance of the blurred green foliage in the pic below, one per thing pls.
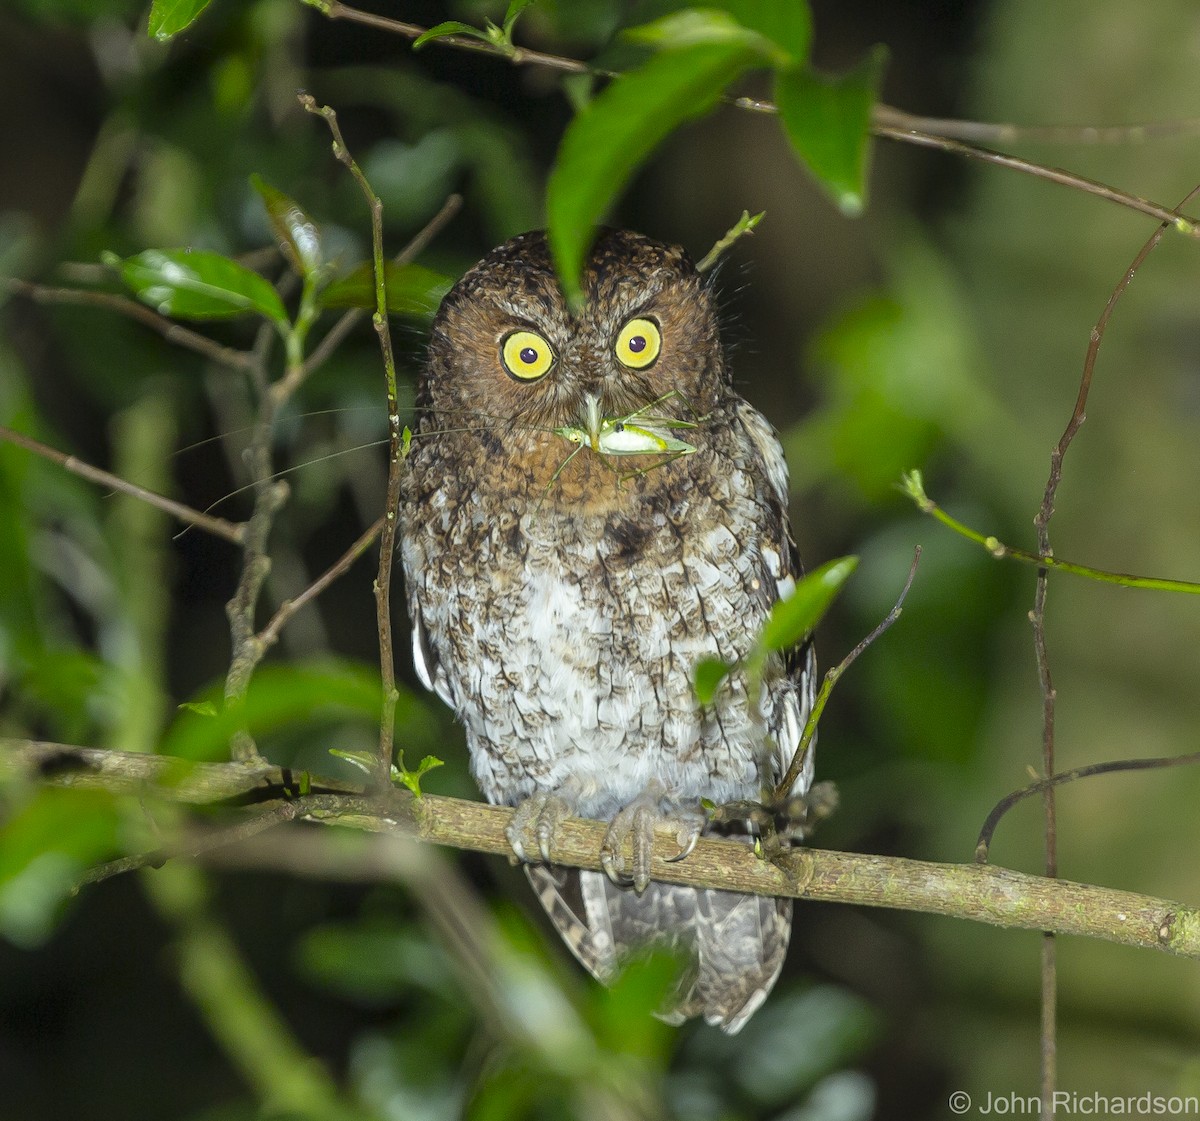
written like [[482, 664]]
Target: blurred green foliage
[[943, 331]]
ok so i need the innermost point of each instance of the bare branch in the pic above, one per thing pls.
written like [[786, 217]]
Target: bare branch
[[129, 772], [387, 543], [333, 338], [518, 56], [122, 305], [1181, 222], [270, 633], [891, 123], [987, 132], [984, 893], [1111, 767], [217, 526]]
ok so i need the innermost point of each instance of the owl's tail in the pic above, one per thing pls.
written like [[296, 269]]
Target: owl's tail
[[732, 945]]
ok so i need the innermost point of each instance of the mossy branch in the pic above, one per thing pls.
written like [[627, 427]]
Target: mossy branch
[[981, 893]]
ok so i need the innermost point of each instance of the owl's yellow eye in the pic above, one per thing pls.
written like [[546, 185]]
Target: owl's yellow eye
[[638, 343], [526, 355]]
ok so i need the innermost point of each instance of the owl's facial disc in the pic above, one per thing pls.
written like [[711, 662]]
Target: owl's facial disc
[[507, 353]]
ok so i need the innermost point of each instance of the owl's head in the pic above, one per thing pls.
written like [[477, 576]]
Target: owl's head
[[506, 346]]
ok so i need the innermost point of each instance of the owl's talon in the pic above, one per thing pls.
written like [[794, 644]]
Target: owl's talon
[[614, 866], [687, 844], [536, 820], [636, 822]]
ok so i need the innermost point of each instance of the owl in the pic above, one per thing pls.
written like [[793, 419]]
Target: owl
[[590, 510]]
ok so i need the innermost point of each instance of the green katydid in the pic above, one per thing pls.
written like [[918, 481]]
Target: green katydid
[[632, 434]]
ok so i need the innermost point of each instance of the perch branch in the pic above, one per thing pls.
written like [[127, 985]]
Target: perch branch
[[980, 892]]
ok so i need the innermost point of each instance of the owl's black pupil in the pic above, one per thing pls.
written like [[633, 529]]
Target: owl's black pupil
[[637, 344], [528, 355]]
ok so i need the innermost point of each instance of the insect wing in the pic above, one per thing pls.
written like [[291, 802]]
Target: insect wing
[[618, 438]]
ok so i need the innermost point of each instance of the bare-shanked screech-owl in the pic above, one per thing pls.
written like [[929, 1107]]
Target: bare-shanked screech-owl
[[562, 590]]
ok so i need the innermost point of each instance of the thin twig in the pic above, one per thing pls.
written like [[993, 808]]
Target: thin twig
[[180, 781], [196, 845], [986, 132], [784, 786], [987, 832], [1045, 678], [248, 650], [1182, 222], [913, 486], [387, 543], [518, 56], [270, 633], [743, 227], [334, 336], [887, 122], [122, 305], [219, 527], [269, 496]]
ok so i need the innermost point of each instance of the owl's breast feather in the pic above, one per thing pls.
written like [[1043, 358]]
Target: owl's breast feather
[[568, 619]]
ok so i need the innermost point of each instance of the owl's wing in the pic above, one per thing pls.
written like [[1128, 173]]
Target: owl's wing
[[425, 660], [790, 706]]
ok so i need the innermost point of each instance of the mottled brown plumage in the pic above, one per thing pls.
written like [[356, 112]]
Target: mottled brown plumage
[[561, 597]]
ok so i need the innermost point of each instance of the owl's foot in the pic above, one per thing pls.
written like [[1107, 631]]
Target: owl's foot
[[777, 825], [534, 823], [635, 825]]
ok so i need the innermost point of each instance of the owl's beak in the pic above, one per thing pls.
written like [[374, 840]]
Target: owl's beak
[[591, 416]]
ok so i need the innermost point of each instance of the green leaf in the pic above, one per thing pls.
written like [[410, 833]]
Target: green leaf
[[693, 26], [377, 961], [363, 760], [44, 847], [515, 8], [200, 708], [192, 284], [412, 779], [169, 17], [793, 618], [279, 697], [707, 677], [412, 290], [617, 131], [786, 23], [299, 236], [828, 121], [450, 27], [623, 1014]]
